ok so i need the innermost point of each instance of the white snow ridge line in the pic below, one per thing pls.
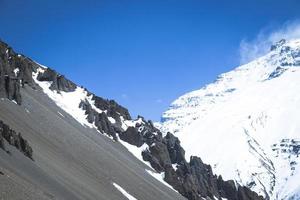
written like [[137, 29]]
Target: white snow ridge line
[[126, 194]]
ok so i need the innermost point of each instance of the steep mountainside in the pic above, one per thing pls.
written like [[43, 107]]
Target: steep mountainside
[[78, 142], [246, 123]]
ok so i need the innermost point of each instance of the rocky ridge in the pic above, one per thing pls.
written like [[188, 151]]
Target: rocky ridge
[[11, 137], [194, 179]]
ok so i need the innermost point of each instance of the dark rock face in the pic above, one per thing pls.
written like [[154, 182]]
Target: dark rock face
[[111, 109], [194, 179], [175, 150], [10, 88], [159, 151], [14, 139], [15, 71], [59, 82], [100, 120], [114, 110], [132, 136]]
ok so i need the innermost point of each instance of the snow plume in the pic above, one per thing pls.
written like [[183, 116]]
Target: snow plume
[[252, 49]]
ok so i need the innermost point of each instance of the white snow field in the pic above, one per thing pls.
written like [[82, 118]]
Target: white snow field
[[247, 123]]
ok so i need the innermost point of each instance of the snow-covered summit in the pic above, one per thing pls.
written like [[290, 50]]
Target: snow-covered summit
[[246, 123]]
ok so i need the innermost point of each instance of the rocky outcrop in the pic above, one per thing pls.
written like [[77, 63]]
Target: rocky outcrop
[[59, 82], [109, 109], [194, 179], [15, 71], [15, 139], [100, 120], [132, 136], [113, 109], [10, 88]]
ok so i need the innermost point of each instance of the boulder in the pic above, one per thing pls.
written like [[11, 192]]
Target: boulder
[[132, 136], [59, 82]]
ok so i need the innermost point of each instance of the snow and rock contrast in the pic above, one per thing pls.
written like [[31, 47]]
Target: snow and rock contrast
[[246, 123], [78, 138], [72, 139]]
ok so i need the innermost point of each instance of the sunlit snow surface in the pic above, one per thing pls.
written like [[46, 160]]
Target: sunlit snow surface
[[136, 151], [69, 101], [236, 123], [126, 194]]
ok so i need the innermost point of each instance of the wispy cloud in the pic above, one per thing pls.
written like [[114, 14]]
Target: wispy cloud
[[251, 49]]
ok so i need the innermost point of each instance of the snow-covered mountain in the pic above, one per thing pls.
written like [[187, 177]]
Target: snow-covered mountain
[[247, 123]]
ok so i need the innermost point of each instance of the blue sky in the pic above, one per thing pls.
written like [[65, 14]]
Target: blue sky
[[144, 54]]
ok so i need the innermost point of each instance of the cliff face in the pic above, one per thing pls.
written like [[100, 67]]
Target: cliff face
[[11, 137], [15, 71], [193, 179]]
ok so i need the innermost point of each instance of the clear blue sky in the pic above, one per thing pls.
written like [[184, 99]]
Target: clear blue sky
[[144, 54]]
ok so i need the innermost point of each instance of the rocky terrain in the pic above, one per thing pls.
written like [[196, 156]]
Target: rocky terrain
[[75, 136], [194, 179], [9, 136]]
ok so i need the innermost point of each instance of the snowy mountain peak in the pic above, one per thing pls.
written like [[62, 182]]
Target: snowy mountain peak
[[245, 124], [274, 64], [278, 44]]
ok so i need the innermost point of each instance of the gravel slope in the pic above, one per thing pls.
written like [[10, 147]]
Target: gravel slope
[[71, 162]]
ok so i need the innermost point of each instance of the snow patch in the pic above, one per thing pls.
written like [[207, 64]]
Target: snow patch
[[130, 123], [174, 166], [68, 101], [112, 120], [124, 192], [16, 71], [136, 151]]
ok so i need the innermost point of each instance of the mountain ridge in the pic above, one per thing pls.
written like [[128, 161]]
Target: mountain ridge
[[194, 180]]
